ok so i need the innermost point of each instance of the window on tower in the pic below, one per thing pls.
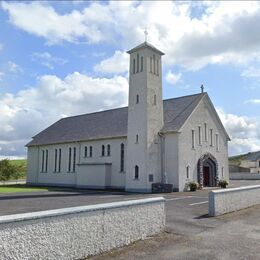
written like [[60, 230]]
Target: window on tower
[[157, 67], [151, 64], [136, 139], [154, 100], [133, 66], [137, 99], [154, 64], [136, 175], [137, 65], [142, 64]]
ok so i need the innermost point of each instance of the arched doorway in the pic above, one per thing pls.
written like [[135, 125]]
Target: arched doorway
[[207, 171]]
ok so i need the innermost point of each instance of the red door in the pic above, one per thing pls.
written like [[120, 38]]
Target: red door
[[206, 176]]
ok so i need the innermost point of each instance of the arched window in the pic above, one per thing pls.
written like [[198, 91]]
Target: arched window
[[90, 151], [86, 151], [151, 64], [222, 172], [137, 66], [142, 63], [154, 64], [122, 157], [43, 156], [193, 138], [74, 159], [55, 160], [188, 172], [134, 66], [108, 150], [59, 160], [157, 67], [136, 176], [69, 168], [137, 99], [136, 139], [103, 151], [154, 100]]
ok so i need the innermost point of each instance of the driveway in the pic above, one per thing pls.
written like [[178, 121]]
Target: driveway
[[190, 233]]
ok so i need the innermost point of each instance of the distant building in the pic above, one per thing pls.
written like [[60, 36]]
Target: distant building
[[151, 141], [252, 161]]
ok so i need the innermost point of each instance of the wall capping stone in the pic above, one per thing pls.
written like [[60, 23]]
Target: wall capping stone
[[74, 210]]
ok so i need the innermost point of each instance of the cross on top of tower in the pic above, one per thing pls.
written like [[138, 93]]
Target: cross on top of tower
[[145, 34], [202, 88]]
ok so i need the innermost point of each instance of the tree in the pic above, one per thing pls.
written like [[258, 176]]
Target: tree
[[7, 170]]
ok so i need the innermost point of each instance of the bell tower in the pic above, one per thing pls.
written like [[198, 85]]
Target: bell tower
[[145, 118]]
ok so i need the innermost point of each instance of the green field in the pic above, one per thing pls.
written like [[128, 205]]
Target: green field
[[14, 188]]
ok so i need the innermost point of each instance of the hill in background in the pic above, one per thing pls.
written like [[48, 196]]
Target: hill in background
[[236, 160]]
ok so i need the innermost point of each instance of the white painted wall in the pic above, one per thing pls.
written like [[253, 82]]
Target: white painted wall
[[76, 233], [65, 178], [228, 200], [189, 156]]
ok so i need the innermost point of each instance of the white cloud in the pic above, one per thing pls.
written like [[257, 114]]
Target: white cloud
[[173, 78], [47, 60], [1, 75], [244, 132], [224, 32], [251, 72], [118, 63], [13, 67], [31, 110], [253, 101]]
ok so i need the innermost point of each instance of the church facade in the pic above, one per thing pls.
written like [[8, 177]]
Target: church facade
[[152, 140]]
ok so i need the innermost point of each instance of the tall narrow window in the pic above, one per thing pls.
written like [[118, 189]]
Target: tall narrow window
[[188, 172], [193, 138], [217, 142], [90, 151], [43, 156], [46, 161], [122, 157], [211, 137], [86, 151], [206, 132], [137, 65], [59, 160], [108, 150], [157, 67], [55, 160], [142, 64], [136, 176], [136, 139], [74, 159], [137, 99], [199, 135], [133, 66], [222, 172], [103, 151], [154, 99], [154, 64], [69, 168], [151, 64]]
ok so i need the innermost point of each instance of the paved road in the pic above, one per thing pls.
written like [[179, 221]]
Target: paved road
[[191, 234]]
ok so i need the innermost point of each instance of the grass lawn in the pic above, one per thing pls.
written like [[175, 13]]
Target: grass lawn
[[14, 188]]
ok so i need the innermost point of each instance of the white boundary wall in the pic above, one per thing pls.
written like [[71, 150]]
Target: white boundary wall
[[228, 200], [244, 176], [75, 233]]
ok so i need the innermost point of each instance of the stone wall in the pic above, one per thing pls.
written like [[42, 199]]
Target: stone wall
[[75, 233], [244, 176], [228, 200]]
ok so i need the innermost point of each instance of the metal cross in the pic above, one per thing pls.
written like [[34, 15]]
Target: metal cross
[[202, 88], [145, 34]]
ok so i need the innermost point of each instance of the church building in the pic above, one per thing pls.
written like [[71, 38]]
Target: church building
[[171, 141]]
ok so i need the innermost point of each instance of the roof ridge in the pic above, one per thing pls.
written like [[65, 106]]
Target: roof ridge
[[117, 108]]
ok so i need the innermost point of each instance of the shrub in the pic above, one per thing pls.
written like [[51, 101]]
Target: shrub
[[193, 185], [223, 183]]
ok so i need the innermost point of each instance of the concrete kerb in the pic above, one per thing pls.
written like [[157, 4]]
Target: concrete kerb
[[232, 199]]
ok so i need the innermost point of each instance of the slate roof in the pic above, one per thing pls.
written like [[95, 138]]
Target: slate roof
[[253, 156], [113, 123]]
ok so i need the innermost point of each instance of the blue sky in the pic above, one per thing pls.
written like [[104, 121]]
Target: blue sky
[[69, 57]]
